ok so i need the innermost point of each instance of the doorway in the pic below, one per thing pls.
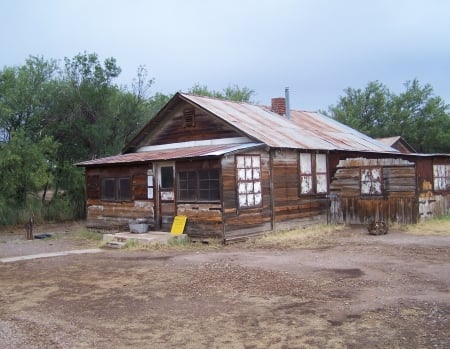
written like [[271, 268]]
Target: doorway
[[164, 195]]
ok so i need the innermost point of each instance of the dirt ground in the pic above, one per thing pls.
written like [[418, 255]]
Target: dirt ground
[[353, 290]]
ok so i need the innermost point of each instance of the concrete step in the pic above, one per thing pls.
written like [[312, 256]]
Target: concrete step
[[115, 244]]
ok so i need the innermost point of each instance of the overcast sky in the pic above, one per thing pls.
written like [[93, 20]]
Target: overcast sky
[[315, 47]]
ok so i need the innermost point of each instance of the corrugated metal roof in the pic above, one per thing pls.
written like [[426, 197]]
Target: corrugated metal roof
[[304, 130], [168, 154]]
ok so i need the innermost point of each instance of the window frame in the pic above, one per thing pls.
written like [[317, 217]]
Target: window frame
[[192, 186], [311, 171], [445, 177], [379, 180], [248, 181], [116, 194]]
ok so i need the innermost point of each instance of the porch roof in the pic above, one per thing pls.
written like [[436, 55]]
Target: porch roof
[[169, 154]]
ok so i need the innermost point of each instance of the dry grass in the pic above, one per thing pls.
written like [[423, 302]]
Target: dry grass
[[306, 237], [437, 226]]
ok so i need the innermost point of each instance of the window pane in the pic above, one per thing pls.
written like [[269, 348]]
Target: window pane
[[248, 161], [187, 185], [240, 161], [255, 162], [243, 200], [322, 185], [306, 184], [108, 189], [167, 177], [209, 185], [258, 199], [257, 187], [305, 163], [241, 188], [321, 163], [124, 189]]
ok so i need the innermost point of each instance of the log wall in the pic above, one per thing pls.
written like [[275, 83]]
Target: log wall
[[397, 202], [115, 215]]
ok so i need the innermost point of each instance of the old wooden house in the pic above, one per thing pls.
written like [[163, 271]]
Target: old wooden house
[[238, 169]]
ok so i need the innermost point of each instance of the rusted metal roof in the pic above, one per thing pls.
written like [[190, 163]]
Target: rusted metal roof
[[398, 143], [303, 130], [168, 154]]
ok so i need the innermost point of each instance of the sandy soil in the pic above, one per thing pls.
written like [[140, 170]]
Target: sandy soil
[[354, 291]]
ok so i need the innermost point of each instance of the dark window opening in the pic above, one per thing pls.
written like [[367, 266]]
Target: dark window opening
[[167, 178], [116, 189], [199, 185]]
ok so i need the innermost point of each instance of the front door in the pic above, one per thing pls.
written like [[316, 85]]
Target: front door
[[165, 195]]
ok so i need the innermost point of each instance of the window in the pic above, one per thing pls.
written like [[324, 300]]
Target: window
[[441, 175], [116, 189], [313, 174], [167, 177], [371, 181], [249, 180], [199, 185]]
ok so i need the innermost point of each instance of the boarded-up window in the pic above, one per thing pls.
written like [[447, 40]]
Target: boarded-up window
[[441, 174], [198, 185], [249, 180], [371, 181], [116, 189], [313, 174]]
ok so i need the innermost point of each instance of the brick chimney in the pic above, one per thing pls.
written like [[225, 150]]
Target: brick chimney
[[279, 105]]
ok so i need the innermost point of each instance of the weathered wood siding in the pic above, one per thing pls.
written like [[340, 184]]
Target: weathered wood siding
[[204, 219], [205, 127], [115, 215], [431, 203], [292, 210], [241, 223], [397, 201]]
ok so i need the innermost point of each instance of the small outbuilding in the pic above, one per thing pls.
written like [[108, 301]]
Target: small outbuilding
[[239, 169]]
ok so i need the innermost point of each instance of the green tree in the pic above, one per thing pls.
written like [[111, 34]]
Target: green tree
[[415, 114], [26, 167], [24, 98], [233, 93]]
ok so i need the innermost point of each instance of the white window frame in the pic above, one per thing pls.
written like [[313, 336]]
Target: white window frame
[[248, 180], [371, 180], [313, 173], [441, 177]]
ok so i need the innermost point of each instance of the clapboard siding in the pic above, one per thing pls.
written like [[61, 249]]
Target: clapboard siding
[[241, 223], [289, 205], [204, 128], [397, 202], [102, 214]]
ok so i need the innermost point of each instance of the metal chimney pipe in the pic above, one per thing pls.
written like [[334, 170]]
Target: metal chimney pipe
[[288, 110]]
